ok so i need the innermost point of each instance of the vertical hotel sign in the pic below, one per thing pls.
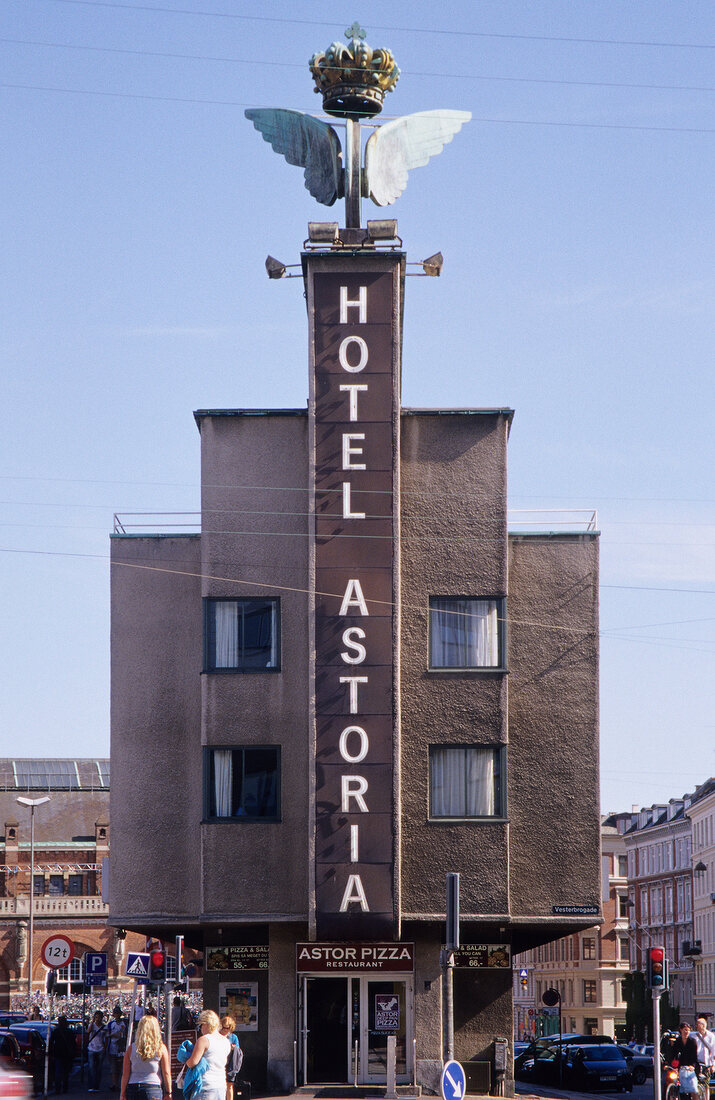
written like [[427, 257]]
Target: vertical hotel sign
[[354, 308]]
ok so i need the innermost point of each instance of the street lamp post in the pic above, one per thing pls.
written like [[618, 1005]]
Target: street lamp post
[[32, 802]]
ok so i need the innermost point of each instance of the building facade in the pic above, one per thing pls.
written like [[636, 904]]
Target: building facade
[[587, 969], [71, 847], [352, 681], [660, 891], [701, 814]]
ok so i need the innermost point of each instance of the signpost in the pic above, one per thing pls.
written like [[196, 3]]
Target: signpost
[[138, 964], [95, 968], [453, 1081], [57, 951]]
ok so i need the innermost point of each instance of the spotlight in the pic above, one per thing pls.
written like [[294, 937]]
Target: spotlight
[[384, 229], [433, 264], [323, 232], [274, 267]]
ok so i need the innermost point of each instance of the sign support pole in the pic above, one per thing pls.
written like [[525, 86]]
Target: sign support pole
[[47, 1044], [656, 995]]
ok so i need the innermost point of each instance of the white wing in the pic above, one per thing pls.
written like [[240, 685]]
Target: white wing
[[408, 142], [307, 142]]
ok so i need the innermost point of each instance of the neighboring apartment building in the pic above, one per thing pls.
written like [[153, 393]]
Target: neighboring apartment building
[[586, 969], [71, 845], [701, 813], [660, 891], [366, 683]]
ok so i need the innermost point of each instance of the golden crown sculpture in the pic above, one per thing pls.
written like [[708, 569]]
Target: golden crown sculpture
[[353, 79]]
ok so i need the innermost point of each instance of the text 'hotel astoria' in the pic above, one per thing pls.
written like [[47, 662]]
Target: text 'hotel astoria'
[[394, 688]]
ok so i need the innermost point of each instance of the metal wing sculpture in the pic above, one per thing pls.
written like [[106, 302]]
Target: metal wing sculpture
[[306, 142], [392, 151], [406, 143]]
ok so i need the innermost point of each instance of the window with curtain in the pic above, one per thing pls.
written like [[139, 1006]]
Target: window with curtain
[[241, 635], [466, 633], [465, 781], [243, 784]]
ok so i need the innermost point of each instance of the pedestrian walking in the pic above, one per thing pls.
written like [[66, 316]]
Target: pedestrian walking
[[63, 1047], [215, 1049], [705, 1042], [96, 1048], [235, 1058], [117, 1043], [146, 1064]]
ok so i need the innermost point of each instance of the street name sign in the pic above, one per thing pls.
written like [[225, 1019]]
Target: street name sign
[[453, 1082], [57, 951], [138, 966], [95, 967]]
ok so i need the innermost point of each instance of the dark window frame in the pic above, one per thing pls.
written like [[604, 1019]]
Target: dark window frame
[[239, 819], [209, 666], [501, 666], [500, 785]]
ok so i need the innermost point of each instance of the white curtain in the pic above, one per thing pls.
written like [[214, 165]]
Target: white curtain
[[226, 621], [223, 781], [464, 633], [463, 782]]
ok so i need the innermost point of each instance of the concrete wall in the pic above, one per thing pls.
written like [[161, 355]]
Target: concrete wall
[[254, 529], [453, 543], [554, 849], [155, 750]]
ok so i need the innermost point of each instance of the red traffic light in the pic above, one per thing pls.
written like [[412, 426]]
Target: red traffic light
[[657, 954], [157, 958]]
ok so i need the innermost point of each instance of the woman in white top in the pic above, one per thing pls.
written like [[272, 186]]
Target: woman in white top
[[215, 1049], [146, 1062]]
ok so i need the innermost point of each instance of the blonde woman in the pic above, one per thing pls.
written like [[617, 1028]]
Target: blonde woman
[[235, 1058], [215, 1049], [146, 1062]]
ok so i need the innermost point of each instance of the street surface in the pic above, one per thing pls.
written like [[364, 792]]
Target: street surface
[[640, 1092]]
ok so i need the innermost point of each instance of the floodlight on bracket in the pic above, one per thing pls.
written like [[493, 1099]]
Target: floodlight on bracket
[[431, 267], [276, 269]]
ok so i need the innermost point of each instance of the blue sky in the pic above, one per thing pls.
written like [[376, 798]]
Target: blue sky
[[575, 215]]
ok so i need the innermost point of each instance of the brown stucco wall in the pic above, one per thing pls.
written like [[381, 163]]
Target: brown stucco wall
[[553, 790], [453, 543], [155, 749], [254, 529]]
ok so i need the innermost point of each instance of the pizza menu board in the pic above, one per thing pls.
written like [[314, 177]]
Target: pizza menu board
[[487, 956], [241, 957]]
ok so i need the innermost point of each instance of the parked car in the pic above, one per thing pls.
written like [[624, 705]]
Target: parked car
[[640, 1063], [10, 1057], [593, 1066], [7, 1018], [32, 1049], [14, 1084]]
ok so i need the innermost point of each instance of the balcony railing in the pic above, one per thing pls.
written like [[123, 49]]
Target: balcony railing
[[519, 522], [64, 906]]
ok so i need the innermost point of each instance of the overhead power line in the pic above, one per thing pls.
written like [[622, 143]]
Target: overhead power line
[[481, 77], [462, 33]]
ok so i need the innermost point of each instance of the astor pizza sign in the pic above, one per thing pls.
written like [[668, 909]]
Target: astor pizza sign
[[354, 417], [393, 958]]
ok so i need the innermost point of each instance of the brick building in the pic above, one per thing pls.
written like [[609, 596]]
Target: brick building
[[72, 834]]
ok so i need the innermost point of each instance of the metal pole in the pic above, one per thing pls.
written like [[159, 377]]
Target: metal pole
[[656, 1043], [47, 1045], [449, 1006], [32, 902], [352, 174], [84, 1032]]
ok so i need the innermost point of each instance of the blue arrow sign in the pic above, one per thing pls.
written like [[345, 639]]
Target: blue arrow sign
[[95, 967], [138, 966], [453, 1083]]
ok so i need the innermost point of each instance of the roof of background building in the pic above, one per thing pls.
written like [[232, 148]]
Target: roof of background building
[[54, 775]]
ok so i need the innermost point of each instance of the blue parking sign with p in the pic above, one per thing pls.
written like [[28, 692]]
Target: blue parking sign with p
[[95, 967]]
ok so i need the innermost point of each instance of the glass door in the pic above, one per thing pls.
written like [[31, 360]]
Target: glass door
[[386, 1009], [327, 1031]]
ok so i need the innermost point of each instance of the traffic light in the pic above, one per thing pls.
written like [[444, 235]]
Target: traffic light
[[692, 948], [656, 976], [157, 966], [524, 983]]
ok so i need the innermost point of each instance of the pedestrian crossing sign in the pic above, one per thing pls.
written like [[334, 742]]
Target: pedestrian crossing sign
[[138, 966]]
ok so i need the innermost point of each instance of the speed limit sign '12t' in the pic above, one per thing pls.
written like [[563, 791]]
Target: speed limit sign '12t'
[[57, 951]]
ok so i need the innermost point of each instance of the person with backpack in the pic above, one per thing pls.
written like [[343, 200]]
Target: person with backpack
[[235, 1058], [96, 1048]]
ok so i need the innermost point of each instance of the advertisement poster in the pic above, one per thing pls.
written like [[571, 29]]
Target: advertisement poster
[[240, 1000]]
